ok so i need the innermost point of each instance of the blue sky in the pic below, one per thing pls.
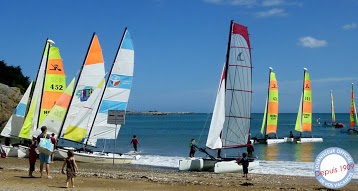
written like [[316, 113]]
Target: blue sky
[[181, 45]]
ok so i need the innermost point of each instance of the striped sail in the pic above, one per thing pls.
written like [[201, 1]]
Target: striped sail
[[55, 82], [14, 124], [31, 119], [230, 123], [90, 76], [116, 93], [304, 116], [56, 116], [85, 117], [270, 119], [332, 109], [353, 112]]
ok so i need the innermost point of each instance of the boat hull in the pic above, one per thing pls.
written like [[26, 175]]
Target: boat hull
[[23, 151], [10, 151], [275, 141], [197, 164], [303, 140], [100, 158], [232, 166]]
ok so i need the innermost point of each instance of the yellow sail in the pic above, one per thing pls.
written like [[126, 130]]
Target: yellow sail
[[272, 111], [304, 116], [55, 82]]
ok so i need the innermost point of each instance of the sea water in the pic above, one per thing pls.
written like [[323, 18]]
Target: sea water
[[164, 140]]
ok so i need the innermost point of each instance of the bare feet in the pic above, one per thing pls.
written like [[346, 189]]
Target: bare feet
[[49, 177]]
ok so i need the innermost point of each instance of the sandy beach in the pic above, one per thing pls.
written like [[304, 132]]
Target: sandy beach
[[14, 171]]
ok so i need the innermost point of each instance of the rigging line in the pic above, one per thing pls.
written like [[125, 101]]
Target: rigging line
[[202, 130]]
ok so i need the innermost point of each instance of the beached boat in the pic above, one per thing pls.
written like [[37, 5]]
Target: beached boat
[[14, 124], [304, 114], [49, 86], [270, 118], [230, 123], [112, 96]]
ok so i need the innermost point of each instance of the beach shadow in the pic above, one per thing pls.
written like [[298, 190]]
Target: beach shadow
[[57, 186], [246, 184], [26, 177]]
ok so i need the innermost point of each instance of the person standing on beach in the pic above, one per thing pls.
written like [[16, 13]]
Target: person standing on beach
[[192, 148], [32, 156], [71, 168], [135, 143], [244, 161], [53, 141], [42, 156]]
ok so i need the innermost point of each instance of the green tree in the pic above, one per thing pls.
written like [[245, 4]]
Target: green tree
[[13, 77]]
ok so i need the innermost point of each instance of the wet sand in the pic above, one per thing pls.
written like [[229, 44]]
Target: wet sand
[[14, 171]]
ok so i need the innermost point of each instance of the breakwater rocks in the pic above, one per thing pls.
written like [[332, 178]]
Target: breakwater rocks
[[155, 113], [9, 98]]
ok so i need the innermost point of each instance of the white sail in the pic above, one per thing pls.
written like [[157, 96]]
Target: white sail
[[236, 80], [117, 90], [56, 116], [14, 124], [218, 118], [91, 75]]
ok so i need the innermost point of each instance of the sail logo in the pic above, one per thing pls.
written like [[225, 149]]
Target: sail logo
[[239, 57], [85, 93], [55, 67], [120, 81], [335, 174]]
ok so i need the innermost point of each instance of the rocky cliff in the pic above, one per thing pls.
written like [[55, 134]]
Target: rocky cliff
[[9, 98]]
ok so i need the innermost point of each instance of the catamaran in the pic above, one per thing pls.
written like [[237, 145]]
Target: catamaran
[[113, 95], [231, 118], [270, 114], [49, 85], [304, 114], [14, 124], [353, 122], [333, 115]]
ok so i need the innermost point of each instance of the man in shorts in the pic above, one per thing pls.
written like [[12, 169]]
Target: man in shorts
[[42, 156]]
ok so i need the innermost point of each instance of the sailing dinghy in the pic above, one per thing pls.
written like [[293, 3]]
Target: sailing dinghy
[[113, 95], [271, 114], [334, 123], [231, 118], [304, 114]]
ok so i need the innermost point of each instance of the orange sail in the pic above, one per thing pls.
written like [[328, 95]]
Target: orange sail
[[55, 82], [271, 118]]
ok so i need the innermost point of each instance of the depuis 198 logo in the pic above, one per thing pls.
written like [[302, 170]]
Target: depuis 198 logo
[[334, 167]]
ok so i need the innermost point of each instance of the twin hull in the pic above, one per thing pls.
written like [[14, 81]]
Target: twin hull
[[20, 151], [231, 166], [97, 157]]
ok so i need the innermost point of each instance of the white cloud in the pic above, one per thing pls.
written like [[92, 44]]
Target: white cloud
[[268, 3], [311, 42], [232, 2], [271, 13], [350, 26]]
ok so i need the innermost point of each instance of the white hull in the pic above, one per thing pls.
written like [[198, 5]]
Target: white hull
[[193, 164], [275, 141], [197, 164], [232, 166], [100, 157], [10, 150], [268, 141], [310, 140], [303, 140], [23, 151]]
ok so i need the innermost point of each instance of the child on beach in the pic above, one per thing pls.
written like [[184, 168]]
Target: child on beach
[[135, 143], [192, 148], [32, 156], [71, 168], [244, 161]]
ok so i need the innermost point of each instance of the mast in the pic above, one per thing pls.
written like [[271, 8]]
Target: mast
[[119, 47], [74, 88], [43, 83]]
